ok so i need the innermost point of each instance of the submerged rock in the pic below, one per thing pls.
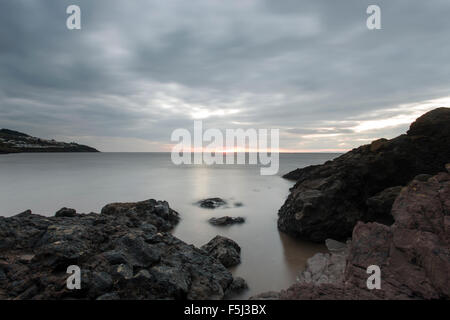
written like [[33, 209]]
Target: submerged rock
[[212, 203], [124, 252], [223, 221], [328, 200], [225, 250]]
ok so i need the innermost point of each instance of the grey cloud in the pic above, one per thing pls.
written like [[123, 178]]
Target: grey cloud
[[139, 69]]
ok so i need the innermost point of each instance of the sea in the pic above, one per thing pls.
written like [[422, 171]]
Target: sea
[[271, 260]]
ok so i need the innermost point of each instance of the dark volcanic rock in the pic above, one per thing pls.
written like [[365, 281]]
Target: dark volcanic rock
[[225, 250], [66, 212], [212, 203], [328, 200], [413, 254], [223, 221], [125, 253]]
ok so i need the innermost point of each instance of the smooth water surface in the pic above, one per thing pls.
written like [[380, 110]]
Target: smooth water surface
[[45, 182]]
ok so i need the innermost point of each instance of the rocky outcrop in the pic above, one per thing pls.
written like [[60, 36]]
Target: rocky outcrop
[[124, 253], [328, 200], [413, 254], [13, 141], [212, 203], [225, 250], [224, 221]]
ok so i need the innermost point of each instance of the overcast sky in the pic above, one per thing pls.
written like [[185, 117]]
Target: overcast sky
[[137, 70]]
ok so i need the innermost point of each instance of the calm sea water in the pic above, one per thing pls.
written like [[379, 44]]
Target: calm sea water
[[271, 260]]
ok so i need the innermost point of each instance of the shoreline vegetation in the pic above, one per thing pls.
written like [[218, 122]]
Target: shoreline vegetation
[[385, 204], [15, 142]]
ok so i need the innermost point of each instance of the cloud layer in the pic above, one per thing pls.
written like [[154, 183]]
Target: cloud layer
[[140, 69]]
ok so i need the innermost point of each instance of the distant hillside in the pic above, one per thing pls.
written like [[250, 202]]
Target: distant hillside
[[13, 141]]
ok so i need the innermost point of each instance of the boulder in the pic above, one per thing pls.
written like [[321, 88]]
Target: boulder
[[223, 221], [225, 250], [328, 200]]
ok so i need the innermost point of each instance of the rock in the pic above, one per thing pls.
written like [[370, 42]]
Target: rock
[[66, 212], [237, 286], [212, 203], [26, 258], [109, 296], [336, 247], [326, 267], [124, 271], [124, 252], [328, 200], [379, 206], [101, 282], [223, 221], [225, 250], [154, 212], [376, 145], [413, 253], [269, 295], [115, 257]]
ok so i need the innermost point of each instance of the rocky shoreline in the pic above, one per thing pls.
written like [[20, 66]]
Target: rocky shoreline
[[392, 198], [125, 252], [413, 253], [328, 200], [16, 142], [386, 204]]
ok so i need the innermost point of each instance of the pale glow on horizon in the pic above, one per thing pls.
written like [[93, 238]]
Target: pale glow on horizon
[[409, 113]]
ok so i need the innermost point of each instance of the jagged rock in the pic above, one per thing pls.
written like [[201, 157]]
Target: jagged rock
[[328, 200], [66, 212], [212, 203], [225, 250], [124, 252], [413, 253], [223, 221]]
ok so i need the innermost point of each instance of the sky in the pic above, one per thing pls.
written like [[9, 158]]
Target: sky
[[137, 70]]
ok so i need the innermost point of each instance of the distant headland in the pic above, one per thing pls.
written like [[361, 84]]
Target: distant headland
[[13, 142]]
